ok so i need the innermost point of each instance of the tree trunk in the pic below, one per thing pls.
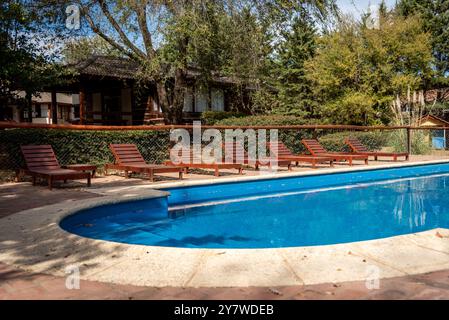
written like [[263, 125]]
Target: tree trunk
[[163, 101], [178, 98], [172, 100]]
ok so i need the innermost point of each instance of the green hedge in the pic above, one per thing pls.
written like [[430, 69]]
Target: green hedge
[[81, 146], [374, 140], [212, 117], [291, 138], [263, 120]]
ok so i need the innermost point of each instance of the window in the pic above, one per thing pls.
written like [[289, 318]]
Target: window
[[201, 100], [37, 111], [41, 111], [188, 101], [217, 99]]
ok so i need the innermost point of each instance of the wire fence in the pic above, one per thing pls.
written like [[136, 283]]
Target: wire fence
[[90, 144]]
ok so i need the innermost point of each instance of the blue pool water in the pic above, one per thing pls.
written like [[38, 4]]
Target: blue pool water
[[287, 212]]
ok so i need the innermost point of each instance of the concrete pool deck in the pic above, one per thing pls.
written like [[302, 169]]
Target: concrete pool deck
[[33, 241]]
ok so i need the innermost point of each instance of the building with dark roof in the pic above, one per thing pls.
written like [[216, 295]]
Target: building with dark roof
[[108, 93]]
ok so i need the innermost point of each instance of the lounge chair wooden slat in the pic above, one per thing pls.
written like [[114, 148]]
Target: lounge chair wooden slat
[[37, 151], [37, 148], [42, 164]]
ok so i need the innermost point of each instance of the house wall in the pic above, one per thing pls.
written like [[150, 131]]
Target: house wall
[[41, 108], [41, 113]]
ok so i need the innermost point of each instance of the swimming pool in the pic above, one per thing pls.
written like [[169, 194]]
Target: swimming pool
[[308, 210]]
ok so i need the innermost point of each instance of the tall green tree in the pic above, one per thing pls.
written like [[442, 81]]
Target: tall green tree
[[357, 71], [294, 89], [435, 19], [27, 65]]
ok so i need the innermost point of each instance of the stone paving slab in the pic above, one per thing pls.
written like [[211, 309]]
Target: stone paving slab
[[17, 284]]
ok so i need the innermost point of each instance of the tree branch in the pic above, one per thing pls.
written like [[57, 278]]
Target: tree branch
[[141, 12], [108, 39], [120, 32]]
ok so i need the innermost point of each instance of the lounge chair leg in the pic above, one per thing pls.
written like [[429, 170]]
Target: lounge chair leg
[[93, 173], [297, 163], [151, 176], [332, 163], [180, 175], [50, 183], [240, 170], [313, 164], [375, 158], [366, 161], [88, 180], [289, 167], [126, 174], [406, 157], [217, 172], [350, 162]]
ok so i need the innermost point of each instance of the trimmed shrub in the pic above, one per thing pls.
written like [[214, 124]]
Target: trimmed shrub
[[81, 146], [212, 117], [373, 140]]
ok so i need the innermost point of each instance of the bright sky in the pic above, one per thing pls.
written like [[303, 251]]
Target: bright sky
[[356, 7]]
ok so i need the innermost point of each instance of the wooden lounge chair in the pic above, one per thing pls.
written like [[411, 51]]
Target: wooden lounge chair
[[241, 156], [316, 149], [41, 162], [285, 154], [192, 162], [358, 148], [129, 159]]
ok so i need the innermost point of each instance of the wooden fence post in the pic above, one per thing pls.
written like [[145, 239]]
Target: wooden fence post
[[409, 140]]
